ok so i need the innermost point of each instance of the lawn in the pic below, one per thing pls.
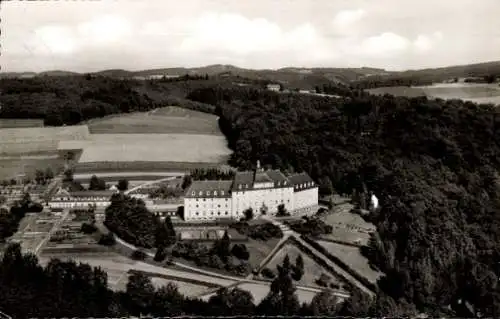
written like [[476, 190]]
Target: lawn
[[347, 227], [152, 147], [352, 257], [165, 120], [312, 270]]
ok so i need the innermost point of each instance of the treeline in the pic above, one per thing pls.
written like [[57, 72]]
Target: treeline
[[69, 100], [433, 165], [131, 221], [66, 289]]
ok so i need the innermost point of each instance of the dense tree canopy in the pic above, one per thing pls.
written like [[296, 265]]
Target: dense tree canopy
[[432, 163]]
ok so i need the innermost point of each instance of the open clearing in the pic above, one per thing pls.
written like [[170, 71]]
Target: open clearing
[[474, 92], [151, 147], [347, 227], [159, 121], [312, 270], [352, 257]]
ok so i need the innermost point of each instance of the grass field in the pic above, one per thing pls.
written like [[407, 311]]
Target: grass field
[[312, 270], [152, 147], [352, 257], [9, 168], [347, 227], [474, 92], [165, 120], [18, 123]]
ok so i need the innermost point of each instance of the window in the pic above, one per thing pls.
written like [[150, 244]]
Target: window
[[203, 199], [215, 193], [197, 213], [246, 185], [212, 213], [218, 213], [192, 193], [222, 193], [227, 213], [218, 205], [279, 183], [208, 193], [226, 199], [197, 206], [284, 183], [201, 193], [239, 186]]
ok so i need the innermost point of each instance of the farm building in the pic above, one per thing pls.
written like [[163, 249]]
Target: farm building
[[80, 199], [273, 87], [261, 190]]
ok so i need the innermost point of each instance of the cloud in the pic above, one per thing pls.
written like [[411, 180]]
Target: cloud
[[106, 29], [385, 44], [346, 18], [52, 39], [425, 43]]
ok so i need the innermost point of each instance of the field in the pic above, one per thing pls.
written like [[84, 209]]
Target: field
[[11, 167], [152, 147], [352, 257], [141, 166], [18, 123], [474, 92], [347, 227], [312, 270], [165, 120]]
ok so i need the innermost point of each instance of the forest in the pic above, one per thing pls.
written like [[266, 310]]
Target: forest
[[433, 164]]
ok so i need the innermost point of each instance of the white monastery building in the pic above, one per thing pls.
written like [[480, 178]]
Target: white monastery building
[[262, 190]]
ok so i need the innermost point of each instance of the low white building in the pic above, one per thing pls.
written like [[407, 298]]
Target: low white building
[[81, 199], [261, 190]]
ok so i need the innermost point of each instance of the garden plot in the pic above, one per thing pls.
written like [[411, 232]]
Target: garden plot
[[152, 147], [352, 257], [312, 270]]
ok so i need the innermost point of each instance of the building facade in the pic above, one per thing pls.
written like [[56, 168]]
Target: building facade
[[81, 199], [261, 190]]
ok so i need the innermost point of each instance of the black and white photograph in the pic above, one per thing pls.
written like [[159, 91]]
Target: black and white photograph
[[249, 159]]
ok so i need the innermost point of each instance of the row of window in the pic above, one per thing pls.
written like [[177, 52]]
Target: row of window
[[304, 185], [207, 193], [204, 199], [212, 213], [204, 206], [81, 198]]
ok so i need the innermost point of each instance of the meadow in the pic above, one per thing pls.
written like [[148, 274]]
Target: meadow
[[152, 147], [166, 120], [352, 257], [17, 123], [474, 92]]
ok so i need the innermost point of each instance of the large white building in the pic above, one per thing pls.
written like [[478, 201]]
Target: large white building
[[262, 190]]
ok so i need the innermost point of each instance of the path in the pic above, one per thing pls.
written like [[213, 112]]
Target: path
[[51, 231], [150, 183]]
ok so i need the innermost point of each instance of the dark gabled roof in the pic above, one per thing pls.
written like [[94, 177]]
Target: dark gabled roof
[[301, 181], [262, 177], [278, 177], [210, 189], [243, 178]]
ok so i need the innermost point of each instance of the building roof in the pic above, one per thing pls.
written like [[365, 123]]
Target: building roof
[[301, 181], [106, 193], [248, 178], [203, 189]]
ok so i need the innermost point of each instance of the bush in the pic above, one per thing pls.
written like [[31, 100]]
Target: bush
[[268, 273], [160, 255], [323, 280], [107, 239], [248, 213], [138, 255], [240, 251], [88, 228]]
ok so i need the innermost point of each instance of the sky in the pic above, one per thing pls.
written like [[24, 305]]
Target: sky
[[87, 36]]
